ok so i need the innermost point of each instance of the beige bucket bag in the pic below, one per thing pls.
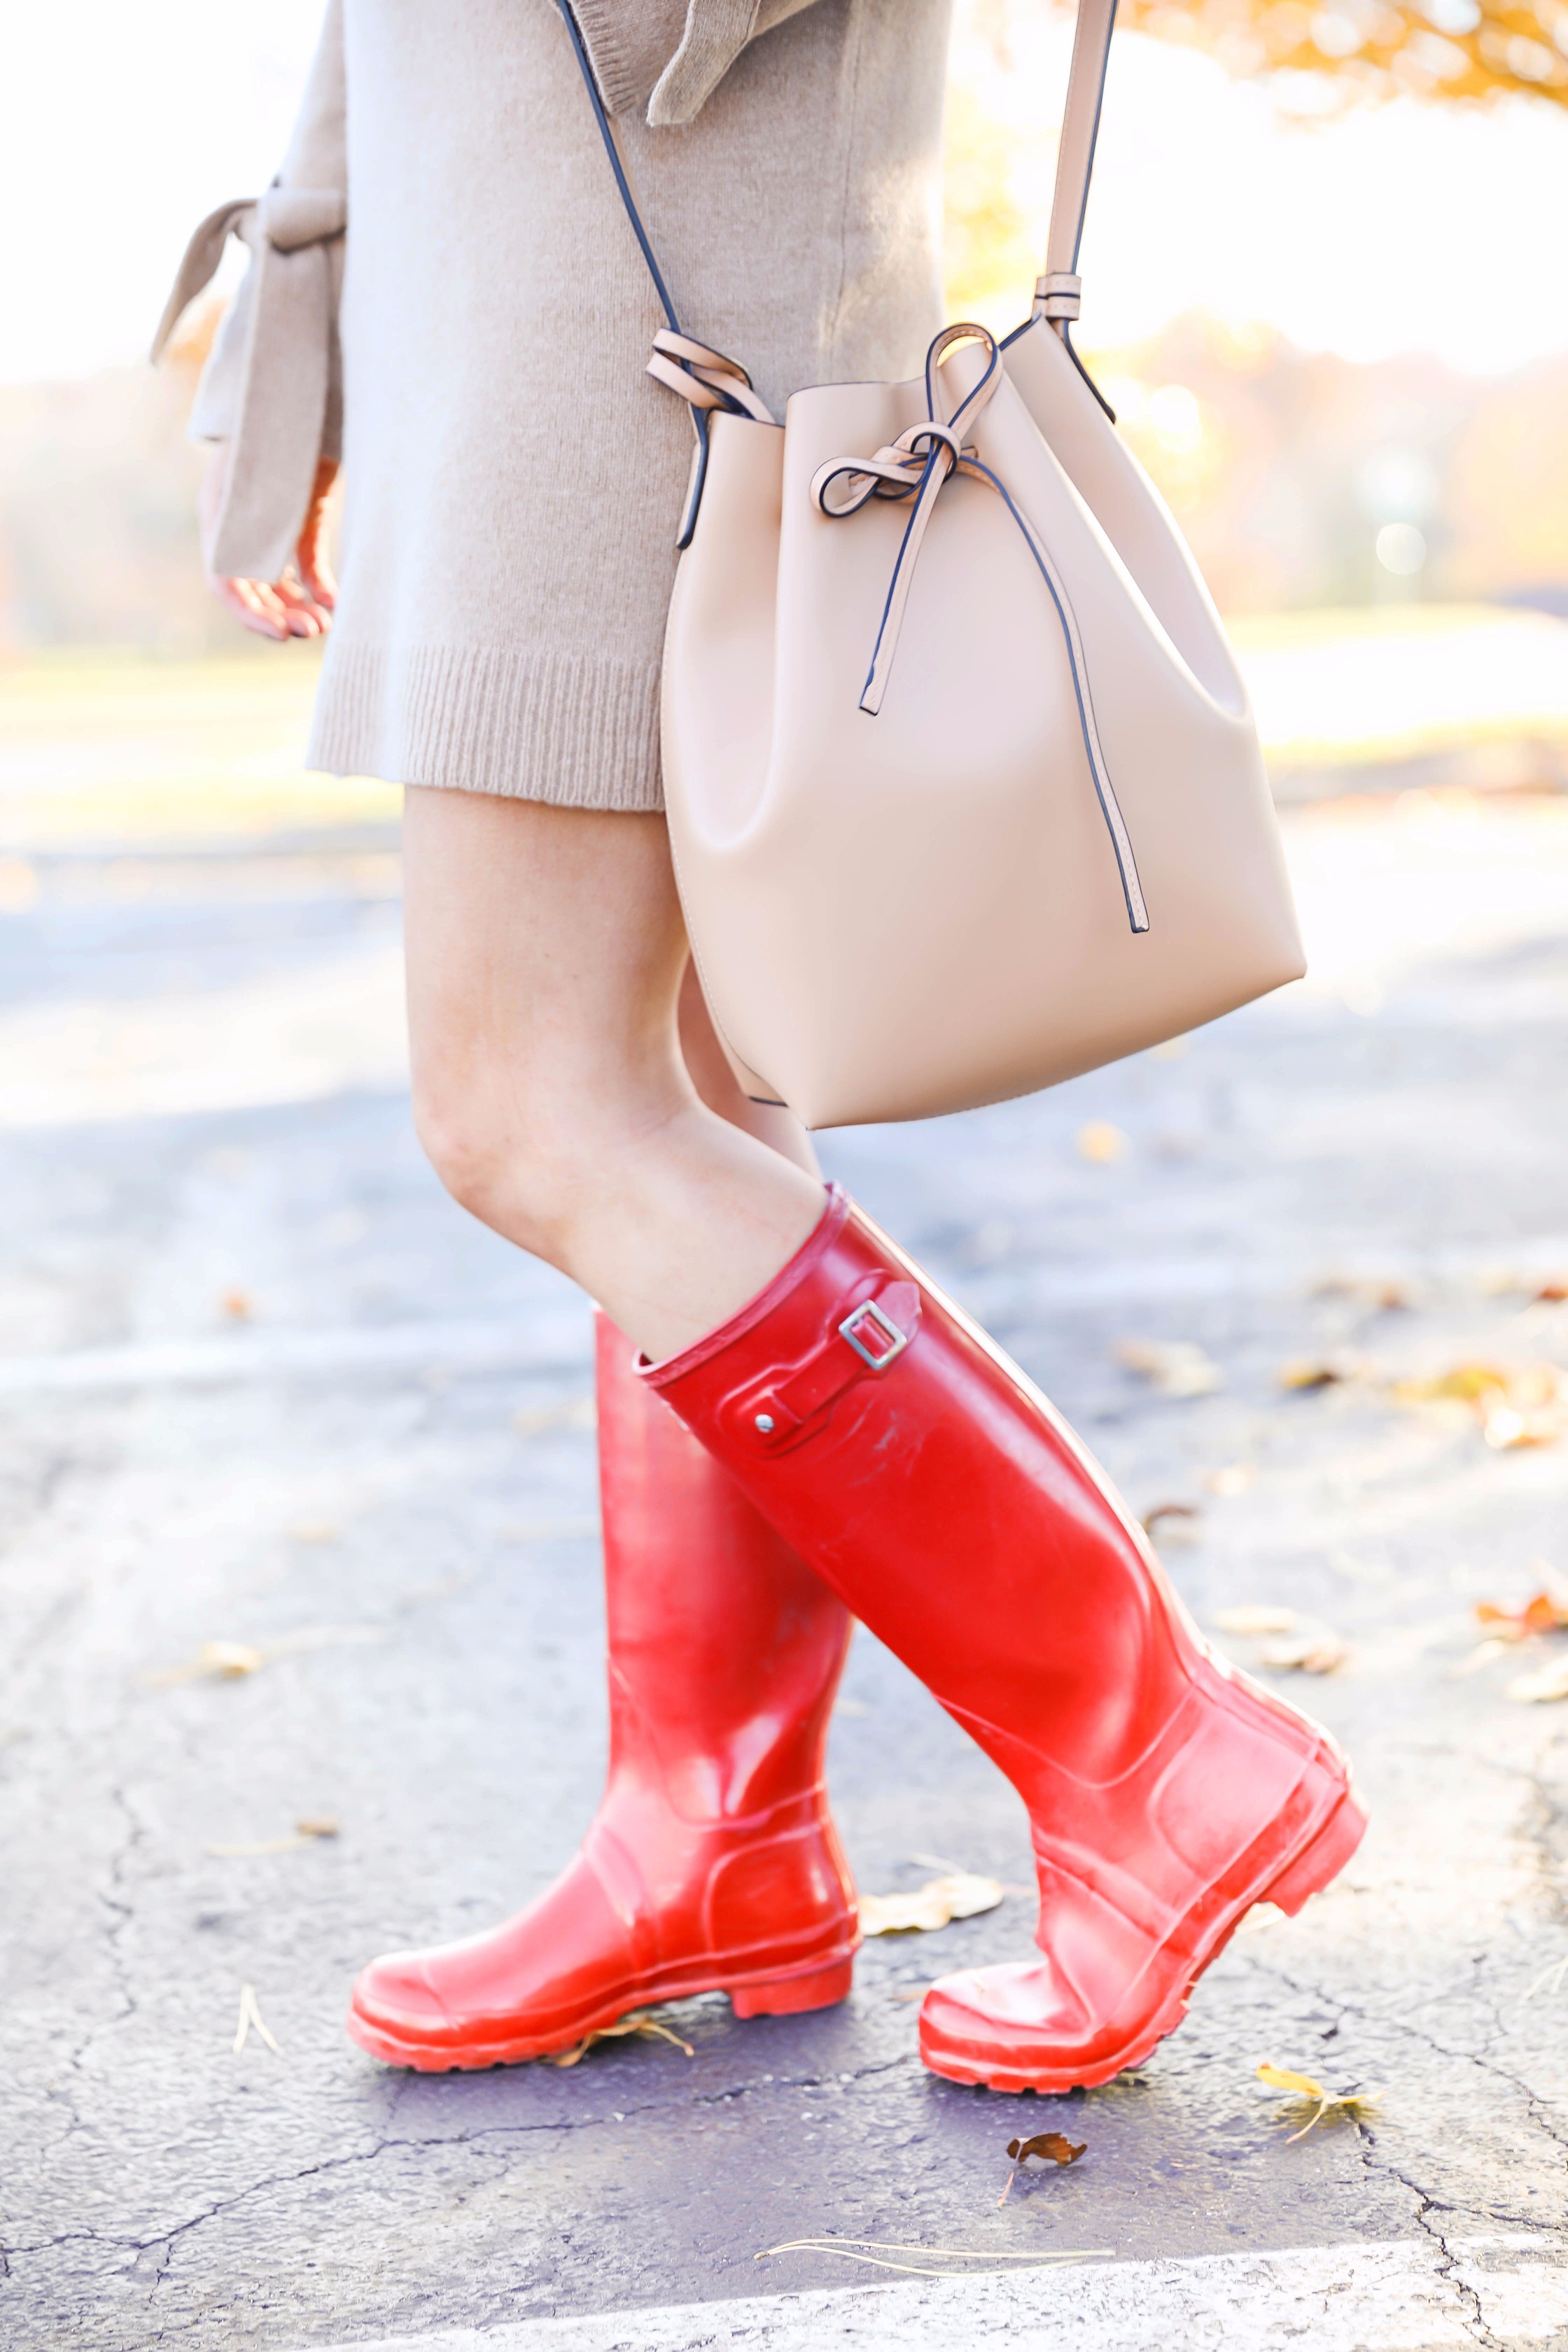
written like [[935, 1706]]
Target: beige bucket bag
[[964, 788]]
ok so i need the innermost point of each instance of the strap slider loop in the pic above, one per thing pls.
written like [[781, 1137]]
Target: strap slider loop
[[1058, 294], [892, 1340]]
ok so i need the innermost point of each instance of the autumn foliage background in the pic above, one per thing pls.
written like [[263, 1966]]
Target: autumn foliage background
[[1302, 478]]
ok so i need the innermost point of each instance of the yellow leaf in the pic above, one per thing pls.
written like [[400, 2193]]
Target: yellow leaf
[[1302, 2086], [637, 2021], [1280, 2078]]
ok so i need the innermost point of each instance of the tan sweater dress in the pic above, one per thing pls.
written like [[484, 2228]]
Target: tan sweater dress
[[513, 479]]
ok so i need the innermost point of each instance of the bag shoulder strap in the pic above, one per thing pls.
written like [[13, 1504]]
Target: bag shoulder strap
[[1058, 287]]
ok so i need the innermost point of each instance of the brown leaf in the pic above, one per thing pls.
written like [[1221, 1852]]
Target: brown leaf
[[1054, 2145], [317, 1825]]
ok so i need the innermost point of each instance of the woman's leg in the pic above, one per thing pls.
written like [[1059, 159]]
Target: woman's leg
[[712, 1861], [546, 954]]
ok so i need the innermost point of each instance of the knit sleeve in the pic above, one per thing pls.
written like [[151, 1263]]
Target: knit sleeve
[[669, 55], [272, 386]]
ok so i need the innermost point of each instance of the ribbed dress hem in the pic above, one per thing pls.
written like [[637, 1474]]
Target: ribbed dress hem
[[576, 730]]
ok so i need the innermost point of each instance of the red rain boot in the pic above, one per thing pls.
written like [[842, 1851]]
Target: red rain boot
[[924, 1478], [712, 1861]]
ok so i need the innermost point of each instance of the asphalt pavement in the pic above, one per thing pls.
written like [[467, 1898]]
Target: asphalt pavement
[[272, 1403]]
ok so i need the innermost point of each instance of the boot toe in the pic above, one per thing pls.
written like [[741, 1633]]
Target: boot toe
[[1016, 2026], [396, 1995]]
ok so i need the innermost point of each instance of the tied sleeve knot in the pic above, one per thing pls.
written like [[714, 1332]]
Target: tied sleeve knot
[[287, 317]]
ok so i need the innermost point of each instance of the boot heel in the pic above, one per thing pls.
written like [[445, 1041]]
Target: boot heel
[[788, 1996], [1323, 1859]]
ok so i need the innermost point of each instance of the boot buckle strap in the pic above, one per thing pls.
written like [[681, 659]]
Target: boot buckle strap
[[870, 1338]]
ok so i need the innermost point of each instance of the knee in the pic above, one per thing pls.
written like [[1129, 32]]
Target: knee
[[523, 1159], [491, 1158]]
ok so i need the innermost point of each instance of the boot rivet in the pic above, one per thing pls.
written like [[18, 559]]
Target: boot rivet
[[765, 1424]]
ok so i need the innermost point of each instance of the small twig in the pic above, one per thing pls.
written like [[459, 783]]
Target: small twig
[[249, 2015]]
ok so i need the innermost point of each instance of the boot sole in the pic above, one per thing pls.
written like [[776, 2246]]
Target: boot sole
[[1315, 1863], [781, 1993]]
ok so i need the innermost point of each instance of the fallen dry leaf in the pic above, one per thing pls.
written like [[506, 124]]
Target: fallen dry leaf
[[1054, 2145], [637, 2022], [1305, 1372], [1546, 1683], [1253, 1619], [1546, 1610], [1485, 1654], [959, 1895], [1313, 1651], [231, 1660], [249, 2015], [1518, 1406], [1186, 1516], [223, 1661], [1101, 1142], [1289, 1644], [1234, 1478], [237, 1306], [302, 1833], [1176, 1368], [1302, 2088], [1387, 1293]]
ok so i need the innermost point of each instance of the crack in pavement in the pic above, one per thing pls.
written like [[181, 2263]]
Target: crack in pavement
[[1535, 2100], [1427, 2204]]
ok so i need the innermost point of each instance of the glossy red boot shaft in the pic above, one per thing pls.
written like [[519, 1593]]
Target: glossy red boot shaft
[[934, 1487], [712, 1861]]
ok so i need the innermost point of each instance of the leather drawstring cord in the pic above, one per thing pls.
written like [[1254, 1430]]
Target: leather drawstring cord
[[917, 465], [705, 379]]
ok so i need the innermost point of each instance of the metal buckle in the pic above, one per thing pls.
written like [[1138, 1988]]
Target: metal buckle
[[896, 1340]]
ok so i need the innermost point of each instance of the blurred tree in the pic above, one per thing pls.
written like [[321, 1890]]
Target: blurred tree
[[1443, 48]]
